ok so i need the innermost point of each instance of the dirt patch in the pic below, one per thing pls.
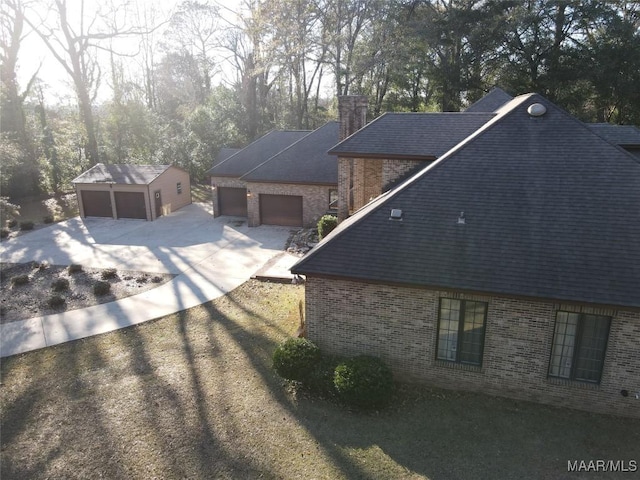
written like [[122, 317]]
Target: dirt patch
[[33, 296]]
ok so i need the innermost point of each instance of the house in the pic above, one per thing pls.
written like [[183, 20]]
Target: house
[[229, 192], [508, 262], [132, 191], [283, 178], [296, 186]]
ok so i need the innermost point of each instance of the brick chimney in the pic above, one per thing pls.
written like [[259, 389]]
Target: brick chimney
[[352, 116]]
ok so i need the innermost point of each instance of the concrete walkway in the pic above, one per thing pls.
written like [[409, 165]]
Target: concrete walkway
[[210, 256]]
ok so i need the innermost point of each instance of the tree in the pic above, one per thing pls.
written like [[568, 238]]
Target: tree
[[20, 166]]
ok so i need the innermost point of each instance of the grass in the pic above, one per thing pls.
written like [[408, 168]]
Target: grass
[[193, 395]]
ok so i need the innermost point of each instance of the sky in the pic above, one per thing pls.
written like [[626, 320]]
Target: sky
[[35, 57]]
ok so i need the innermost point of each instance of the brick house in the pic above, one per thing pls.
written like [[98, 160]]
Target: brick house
[[508, 262], [132, 191], [283, 178]]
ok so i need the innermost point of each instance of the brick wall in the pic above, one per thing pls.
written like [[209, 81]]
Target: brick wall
[[393, 169], [345, 166], [400, 325], [224, 182], [367, 181], [315, 200]]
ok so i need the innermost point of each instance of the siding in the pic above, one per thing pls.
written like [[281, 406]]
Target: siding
[[400, 325], [167, 184]]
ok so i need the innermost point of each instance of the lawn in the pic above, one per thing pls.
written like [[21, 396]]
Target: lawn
[[193, 395]]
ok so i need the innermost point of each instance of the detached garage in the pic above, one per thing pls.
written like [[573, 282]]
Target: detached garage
[[132, 191]]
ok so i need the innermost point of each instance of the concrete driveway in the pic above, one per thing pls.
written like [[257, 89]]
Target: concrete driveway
[[210, 257]]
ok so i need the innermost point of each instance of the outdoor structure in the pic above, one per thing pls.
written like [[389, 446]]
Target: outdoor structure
[[132, 191], [508, 261], [283, 178], [229, 191]]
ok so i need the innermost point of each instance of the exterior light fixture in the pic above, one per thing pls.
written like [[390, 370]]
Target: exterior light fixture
[[461, 219], [248, 193]]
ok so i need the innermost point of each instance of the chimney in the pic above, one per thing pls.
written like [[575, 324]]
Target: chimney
[[352, 116]]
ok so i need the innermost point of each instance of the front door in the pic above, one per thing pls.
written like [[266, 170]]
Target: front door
[[158, 198]]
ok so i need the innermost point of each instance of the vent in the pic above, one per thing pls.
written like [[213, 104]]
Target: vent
[[396, 214], [536, 110]]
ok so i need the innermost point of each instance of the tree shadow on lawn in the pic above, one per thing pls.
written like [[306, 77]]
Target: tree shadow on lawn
[[194, 395]]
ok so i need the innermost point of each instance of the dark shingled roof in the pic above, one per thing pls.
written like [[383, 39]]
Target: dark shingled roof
[[306, 161], [551, 210], [491, 102], [623, 135], [225, 153], [127, 174], [407, 135], [256, 152]]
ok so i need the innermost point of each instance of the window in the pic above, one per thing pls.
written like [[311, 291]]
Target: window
[[333, 199], [179, 187], [461, 326], [579, 343]]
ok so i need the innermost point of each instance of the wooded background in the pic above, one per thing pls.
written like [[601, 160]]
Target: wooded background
[[200, 79]]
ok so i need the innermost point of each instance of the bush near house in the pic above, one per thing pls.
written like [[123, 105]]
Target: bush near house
[[295, 359], [326, 224], [364, 381]]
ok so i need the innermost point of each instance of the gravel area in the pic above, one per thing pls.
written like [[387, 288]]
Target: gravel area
[[28, 288]]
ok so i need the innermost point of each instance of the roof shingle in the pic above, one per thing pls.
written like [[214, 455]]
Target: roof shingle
[[551, 210], [306, 161], [406, 135], [122, 174], [256, 153]]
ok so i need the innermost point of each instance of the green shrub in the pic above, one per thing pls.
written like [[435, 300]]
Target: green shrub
[[101, 288], [364, 381], [320, 379], [74, 268], [55, 301], [60, 284], [108, 273], [295, 359], [48, 219], [27, 225], [20, 279], [326, 224], [4, 233]]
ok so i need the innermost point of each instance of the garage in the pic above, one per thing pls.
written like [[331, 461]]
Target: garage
[[96, 203], [130, 205], [281, 210], [232, 201]]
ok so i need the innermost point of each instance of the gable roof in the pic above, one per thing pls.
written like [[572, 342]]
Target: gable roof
[[122, 174], [225, 153], [623, 135], [411, 135], [551, 210], [491, 102], [306, 161], [256, 153]]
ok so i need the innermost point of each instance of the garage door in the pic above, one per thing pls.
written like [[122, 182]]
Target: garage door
[[232, 201], [130, 205], [96, 204], [281, 210]]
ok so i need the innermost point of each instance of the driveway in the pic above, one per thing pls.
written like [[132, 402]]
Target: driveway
[[210, 257]]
